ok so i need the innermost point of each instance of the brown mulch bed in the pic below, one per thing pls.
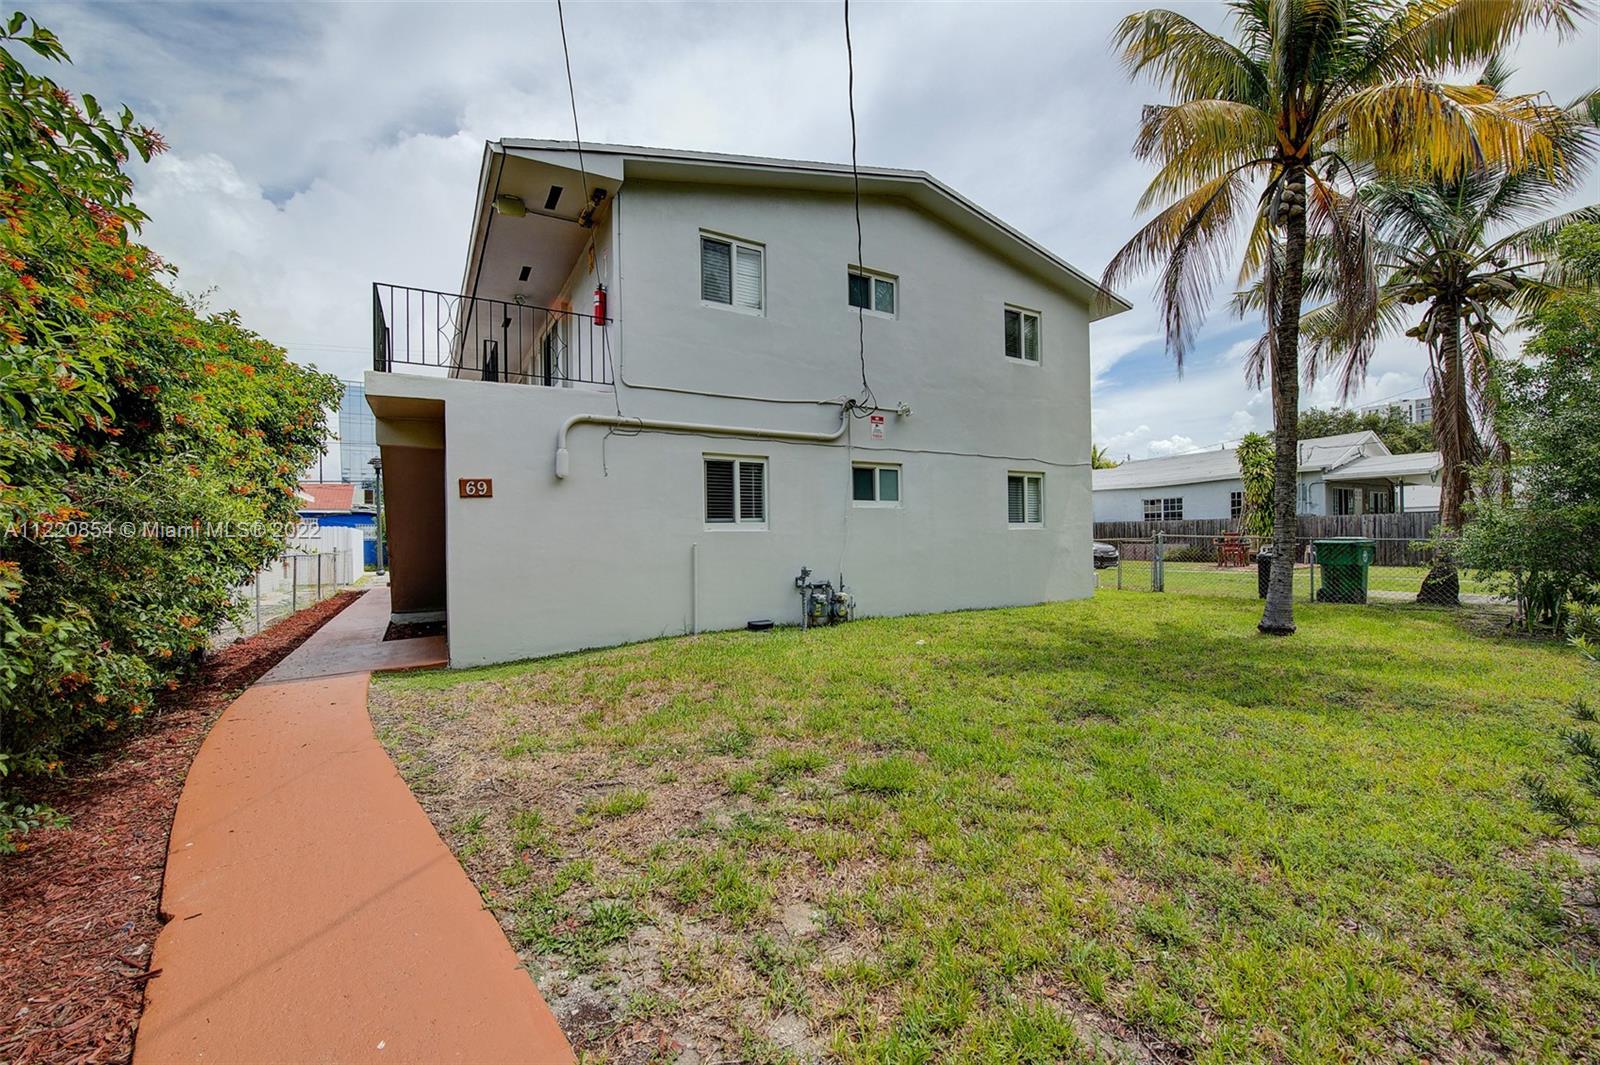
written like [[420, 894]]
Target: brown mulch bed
[[79, 912]]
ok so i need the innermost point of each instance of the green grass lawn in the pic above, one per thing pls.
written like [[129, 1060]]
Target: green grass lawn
[[1383, 582], [1127, 826]]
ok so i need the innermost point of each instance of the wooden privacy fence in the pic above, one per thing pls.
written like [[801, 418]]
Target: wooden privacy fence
[[1393, 532]]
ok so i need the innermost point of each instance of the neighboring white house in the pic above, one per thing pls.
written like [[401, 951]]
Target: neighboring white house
[[553, 481], [1353, 473]]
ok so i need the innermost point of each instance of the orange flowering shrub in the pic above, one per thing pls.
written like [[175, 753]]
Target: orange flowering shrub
[[148, 447]]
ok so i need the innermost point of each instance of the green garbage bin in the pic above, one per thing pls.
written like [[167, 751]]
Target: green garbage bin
[[1344, 561]]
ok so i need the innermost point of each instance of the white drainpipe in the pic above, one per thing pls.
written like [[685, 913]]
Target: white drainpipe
[[563, 460]]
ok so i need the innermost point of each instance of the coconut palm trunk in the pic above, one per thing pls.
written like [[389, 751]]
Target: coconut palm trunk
[[1278, 617], [1261, 140], [1457, 438]]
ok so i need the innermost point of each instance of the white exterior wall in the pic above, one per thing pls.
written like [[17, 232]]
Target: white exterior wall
[[608, 555], [1206, 499]]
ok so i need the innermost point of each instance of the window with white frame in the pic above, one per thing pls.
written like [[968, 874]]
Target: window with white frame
[[872, 484], [872, 292], [1025, 499], [1022, 335], [736, 491], [1235, 504], [1168, 508], [732, 273]]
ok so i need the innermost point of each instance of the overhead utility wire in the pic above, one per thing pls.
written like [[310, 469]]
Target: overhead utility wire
[[869, 402], [573, 96]]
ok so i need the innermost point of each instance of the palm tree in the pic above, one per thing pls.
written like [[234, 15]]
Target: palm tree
[[1261, 138], [1447, 245], [1100, 459]]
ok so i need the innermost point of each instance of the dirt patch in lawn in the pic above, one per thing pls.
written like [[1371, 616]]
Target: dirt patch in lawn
[[81, 902], [620, 880]]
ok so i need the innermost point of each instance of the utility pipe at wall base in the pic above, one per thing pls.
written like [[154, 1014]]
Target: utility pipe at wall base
[[564, 460], [694, 588]]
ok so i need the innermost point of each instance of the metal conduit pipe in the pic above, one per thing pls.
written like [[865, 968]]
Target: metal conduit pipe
[[563, 459]]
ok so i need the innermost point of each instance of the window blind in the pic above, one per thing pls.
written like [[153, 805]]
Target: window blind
[[1035, 499], [747, 278], [716, 270], [719, 490], [1030, 338], [1014, 334], [752, 491], [1016, 506]]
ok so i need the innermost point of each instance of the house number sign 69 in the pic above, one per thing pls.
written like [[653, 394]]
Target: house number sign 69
[[476, 487]]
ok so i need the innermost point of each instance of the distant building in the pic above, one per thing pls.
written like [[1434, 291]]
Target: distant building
[[358, 442], [337, 504], [1352, 473], [1415, 410]]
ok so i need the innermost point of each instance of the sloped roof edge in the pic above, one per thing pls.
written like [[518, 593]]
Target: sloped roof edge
[[918, 185]]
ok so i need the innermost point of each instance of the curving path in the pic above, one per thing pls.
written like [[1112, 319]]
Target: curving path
[[315, 915]]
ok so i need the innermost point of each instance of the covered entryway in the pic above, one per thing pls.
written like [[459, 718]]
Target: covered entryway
[[411, 444], [1377, 484]]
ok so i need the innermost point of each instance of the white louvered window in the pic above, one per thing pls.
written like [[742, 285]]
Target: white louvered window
[[1025, 499], [736, 491], [1022, 335], [732, 273]]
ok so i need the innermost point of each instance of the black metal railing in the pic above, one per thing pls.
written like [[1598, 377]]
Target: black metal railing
[[486, 340]]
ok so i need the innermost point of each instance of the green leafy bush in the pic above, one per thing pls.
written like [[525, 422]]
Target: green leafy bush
[[1256, 470], [1535, 525], [149, 450]]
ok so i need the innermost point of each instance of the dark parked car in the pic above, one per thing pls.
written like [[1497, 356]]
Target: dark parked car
[[1105, 555]]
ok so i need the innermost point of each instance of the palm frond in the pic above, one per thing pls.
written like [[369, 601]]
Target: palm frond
[[1190, 61], [1340, 270], [1203, 126], [1411, 127], [1539, 239], [1189, 241], [1496, 74], [1586, 108], [1426, 36]]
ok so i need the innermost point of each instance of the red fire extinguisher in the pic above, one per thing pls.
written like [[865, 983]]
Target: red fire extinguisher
[[599, 305]]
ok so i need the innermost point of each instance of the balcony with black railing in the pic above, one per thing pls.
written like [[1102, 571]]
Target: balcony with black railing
[[416, 330]]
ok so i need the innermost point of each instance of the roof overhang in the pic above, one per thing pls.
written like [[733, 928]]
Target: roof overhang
[[554, 192], [529, 169], [1421, 467]]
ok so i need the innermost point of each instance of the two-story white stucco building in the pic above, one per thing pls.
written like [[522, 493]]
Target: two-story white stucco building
[[559, 475]]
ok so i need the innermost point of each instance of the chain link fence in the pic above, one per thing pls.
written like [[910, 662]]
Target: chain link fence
[[294, 582], [1229, 565]]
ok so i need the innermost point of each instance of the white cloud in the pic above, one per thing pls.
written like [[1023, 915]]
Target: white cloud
[[317, 148], [1172, 445]]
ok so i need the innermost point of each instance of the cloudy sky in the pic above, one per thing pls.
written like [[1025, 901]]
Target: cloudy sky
[[319, 147]]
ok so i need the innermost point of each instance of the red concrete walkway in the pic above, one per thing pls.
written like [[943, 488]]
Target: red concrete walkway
[[315, 913]]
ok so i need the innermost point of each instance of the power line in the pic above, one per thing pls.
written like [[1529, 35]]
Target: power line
[[869, 401], [573, 97]]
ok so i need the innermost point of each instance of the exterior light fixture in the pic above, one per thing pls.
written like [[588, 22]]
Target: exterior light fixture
[[510, 206]]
